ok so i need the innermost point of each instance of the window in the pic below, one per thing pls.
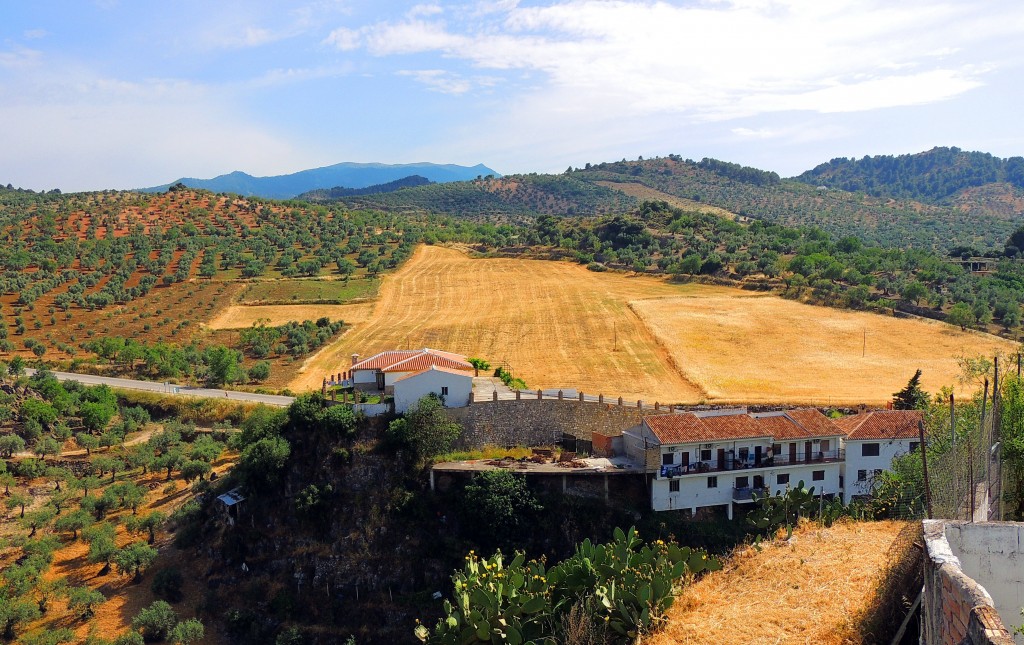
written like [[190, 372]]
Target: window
[[444, 391], [914, 445], [742, 482], [705, 454], [673, 486], [743, 453], [712, 482], [877, 473], [869, 450], [668, 459], [825, 445], [862, 475], [782, 480], [817, 475]]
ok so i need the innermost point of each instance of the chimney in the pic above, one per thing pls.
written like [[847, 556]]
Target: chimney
[[355, 358]]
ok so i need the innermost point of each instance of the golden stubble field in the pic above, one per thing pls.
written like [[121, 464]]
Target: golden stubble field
[[558, 325]]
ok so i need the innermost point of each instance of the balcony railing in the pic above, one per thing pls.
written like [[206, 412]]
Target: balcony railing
[[746, 493], [751, 462]]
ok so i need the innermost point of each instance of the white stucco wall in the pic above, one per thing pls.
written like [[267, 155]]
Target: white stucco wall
[[412, 389], [364, 376], [992, 553], [855, 461], [694, 492]]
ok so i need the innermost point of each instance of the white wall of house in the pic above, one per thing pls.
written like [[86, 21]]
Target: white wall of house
[[696, 451], [856, 462], [695, 492], [361, 377], [455, 388]]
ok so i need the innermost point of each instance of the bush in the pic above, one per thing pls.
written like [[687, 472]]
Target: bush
[[167, 584], [156, 621], [498, 503]]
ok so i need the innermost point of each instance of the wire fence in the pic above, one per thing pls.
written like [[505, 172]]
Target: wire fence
[[960, 476]]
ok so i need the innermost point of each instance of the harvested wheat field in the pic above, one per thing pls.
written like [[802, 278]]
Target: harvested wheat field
[[557, 324], [811, 589], [767, 349], [640, 191], [243, 316]]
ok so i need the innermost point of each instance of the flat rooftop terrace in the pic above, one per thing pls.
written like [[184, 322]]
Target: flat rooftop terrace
[[581, 466]]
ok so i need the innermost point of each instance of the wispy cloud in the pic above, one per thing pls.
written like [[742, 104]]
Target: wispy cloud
[[713, 59], [439, 80]]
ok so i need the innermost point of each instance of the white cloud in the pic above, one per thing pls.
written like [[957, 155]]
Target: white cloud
[[714, 59], [35, 34], [20, 58], [439, 80]]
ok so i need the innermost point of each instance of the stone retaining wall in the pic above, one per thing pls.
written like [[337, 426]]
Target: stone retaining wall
[[956, 609], [540, 423]]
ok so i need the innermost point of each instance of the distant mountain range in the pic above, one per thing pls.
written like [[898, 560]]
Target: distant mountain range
[[341, 175], [338, 192]]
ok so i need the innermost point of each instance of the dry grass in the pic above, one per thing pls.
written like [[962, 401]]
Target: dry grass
[[641, 191], [558, 325], [770, 349], [810, 590], [243, 316], [555, 323]]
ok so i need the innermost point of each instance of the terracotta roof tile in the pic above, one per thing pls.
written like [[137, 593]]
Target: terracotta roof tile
[[789, 425], [881, 424], [435, 368], [385, 361]]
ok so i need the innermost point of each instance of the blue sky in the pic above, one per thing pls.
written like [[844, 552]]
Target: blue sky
[[111, 94]]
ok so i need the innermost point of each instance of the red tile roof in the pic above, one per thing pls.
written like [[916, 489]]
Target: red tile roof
[[435, 368], [789, 425], [882, 424], [412, 360]]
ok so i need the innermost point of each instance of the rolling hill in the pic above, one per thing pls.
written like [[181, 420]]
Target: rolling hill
[[346, 174]]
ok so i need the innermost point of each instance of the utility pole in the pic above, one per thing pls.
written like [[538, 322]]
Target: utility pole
[[864, 348]]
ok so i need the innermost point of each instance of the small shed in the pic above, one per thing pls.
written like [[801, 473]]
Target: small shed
[[230, 504]]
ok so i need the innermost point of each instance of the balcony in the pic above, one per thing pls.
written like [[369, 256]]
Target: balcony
[[751, 463], [746, 494]]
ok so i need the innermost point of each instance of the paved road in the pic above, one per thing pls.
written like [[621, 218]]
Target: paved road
[[180, 390]]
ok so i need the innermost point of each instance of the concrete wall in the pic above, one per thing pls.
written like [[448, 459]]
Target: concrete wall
[[538, 423], [855, 461], [362, 377], [414, 388], [956, 608]]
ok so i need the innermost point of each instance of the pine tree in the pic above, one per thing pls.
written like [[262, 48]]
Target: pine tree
[[912, 397]]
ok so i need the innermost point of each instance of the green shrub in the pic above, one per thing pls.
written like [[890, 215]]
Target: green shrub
[[167, 584], [156, 621]]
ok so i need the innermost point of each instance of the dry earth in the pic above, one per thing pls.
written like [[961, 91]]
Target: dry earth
[[641, 191], [811, 589], [558, 325], [243, 316], [767, 349]]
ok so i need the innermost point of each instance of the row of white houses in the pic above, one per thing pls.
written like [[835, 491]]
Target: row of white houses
[[722, 457]]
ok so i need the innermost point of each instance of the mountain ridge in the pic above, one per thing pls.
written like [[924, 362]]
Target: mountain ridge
[[347, 173]]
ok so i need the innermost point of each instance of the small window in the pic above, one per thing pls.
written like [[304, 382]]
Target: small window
[[817, 475], [877, 473], [742, 482], [869, 450], [743, 453], [825, 445], [914, 445], [668, 459], [862, 475], [444, 391], [705, 455], [712, 482], [673, 486], [782, 479]]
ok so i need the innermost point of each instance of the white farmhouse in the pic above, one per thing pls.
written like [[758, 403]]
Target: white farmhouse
[[872, 440], [720, 458], [452, 386], [381, 371]]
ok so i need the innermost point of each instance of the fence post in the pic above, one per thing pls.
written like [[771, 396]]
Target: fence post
[[600, 398], [656, 406], [519, 395], [639, 404], [540, 395], [559, 395], [494, 396], [924, 468], [620, 401], [471, 397], [581, 397]]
